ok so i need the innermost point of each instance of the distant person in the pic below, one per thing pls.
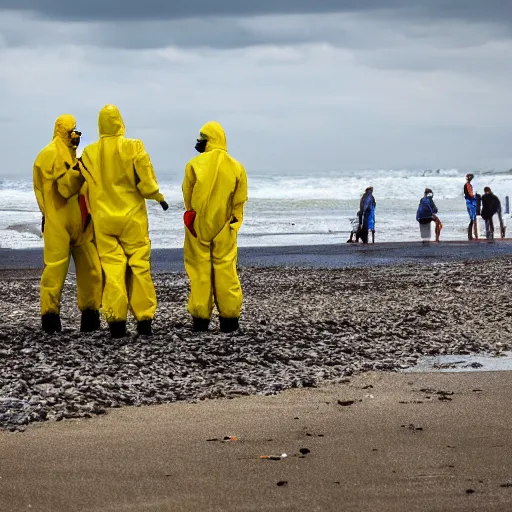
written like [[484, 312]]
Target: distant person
[[121, 177], [367, 215], [491, 206], [214, 193], [356, 229], [471, 204], [427, 212], [67, 230], [507, 216]]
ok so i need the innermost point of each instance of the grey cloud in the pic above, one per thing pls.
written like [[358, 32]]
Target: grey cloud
[[94, 10], [355, 31]]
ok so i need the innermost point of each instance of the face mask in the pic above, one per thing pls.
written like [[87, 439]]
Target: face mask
[[201, 145], [74, 137]]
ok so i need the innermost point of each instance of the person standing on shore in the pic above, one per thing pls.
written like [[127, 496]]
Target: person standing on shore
[[367, 215], [214, 192], [471, 201], [67, 231], [491, 205], [121, 177], [427, 212]]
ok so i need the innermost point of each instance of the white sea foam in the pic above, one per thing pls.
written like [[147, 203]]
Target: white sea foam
[[290, 208]]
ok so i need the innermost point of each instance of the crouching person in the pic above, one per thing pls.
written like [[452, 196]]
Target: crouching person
[[214, 193], [427, 212]]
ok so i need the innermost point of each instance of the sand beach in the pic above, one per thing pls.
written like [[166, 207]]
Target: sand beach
[[320, 364]]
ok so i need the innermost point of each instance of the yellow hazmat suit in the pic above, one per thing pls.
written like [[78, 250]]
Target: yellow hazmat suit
[[120, 177], [67, 230], [215, 188]]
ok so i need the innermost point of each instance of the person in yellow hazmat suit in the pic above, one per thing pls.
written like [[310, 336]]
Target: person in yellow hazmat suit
[[67, 229], [214, 193], [121, 177]]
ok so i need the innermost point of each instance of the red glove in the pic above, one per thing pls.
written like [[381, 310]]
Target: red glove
[[86, 217], [188, 218]]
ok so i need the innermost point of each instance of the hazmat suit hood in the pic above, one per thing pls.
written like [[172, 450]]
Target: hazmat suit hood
[[110, 122], [64, 126], [215, 135]]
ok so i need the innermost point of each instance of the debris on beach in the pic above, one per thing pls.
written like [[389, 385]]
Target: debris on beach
[[299, 328], [345, 403], [274, 457], [224, 439], [304, 452], [412, 427]]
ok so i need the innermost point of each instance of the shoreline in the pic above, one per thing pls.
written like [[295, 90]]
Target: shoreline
[[335, 256]]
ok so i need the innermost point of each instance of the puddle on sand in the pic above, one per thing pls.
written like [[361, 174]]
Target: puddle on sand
[[463, 363]]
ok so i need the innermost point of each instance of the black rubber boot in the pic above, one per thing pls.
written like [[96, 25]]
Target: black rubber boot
[[144, 327], [470, 231], [118, 329], [200, 324], [50, 323], [228, 324], [90, 320]]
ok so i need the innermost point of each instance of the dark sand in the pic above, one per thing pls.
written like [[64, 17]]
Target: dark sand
[[392, 449], [316, 256]]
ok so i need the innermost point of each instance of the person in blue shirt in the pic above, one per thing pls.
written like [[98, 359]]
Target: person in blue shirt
[[427, 212], [367, 215], [471, 204]]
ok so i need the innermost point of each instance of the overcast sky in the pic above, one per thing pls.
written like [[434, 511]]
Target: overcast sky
[[298, 85]]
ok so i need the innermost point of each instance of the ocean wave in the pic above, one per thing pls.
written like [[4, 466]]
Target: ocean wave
[[312, 208]]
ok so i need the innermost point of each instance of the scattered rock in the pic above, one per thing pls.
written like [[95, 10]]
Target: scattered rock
[[281, 483], [474, 365], [412, 427], [310, 341], [345, 403]]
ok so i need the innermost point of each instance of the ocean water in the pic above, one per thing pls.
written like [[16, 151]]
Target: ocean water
[[290, 208]]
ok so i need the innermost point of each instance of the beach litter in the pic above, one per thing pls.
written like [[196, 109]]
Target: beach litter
[[225, 439], [274, 457]]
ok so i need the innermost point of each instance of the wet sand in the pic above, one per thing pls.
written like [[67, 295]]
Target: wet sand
[[312, 256], [409, 442]]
